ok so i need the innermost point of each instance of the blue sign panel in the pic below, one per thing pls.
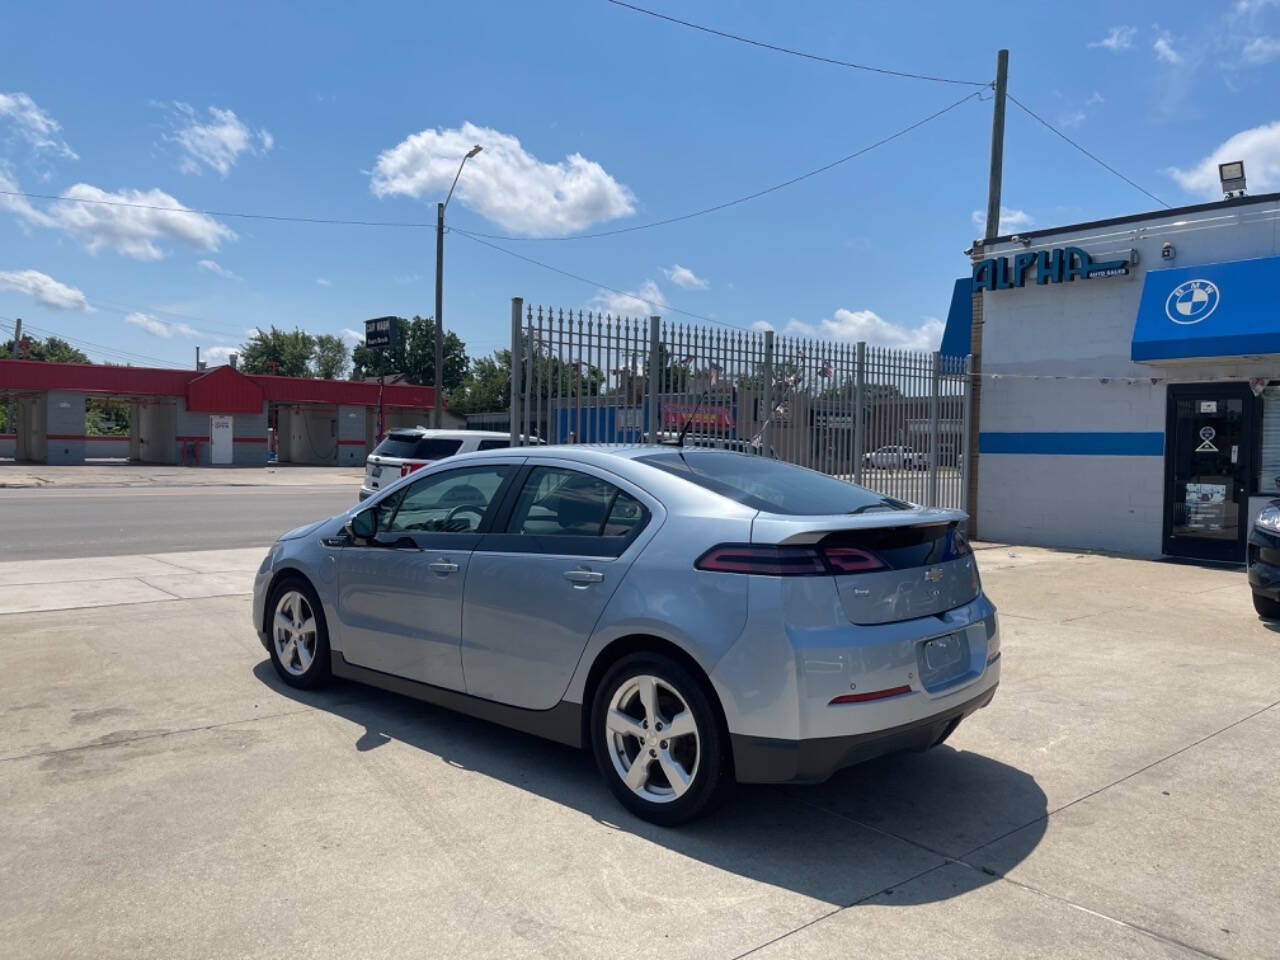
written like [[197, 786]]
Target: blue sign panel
[[1217, 310], [1059, 265]]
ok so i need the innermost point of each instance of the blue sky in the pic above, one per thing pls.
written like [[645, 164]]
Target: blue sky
[[593, 117]]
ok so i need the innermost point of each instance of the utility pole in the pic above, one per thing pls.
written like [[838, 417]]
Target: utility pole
[[997, 146], [197, 358], [12, 424], [438, 400]]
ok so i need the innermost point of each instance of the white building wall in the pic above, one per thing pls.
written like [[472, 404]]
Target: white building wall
[[1046, 351]]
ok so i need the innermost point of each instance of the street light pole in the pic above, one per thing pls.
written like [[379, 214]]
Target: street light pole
[[437, 412]]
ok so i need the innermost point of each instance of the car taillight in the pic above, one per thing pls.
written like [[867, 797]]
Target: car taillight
[[774, 561], [851, 560], [408, 468]]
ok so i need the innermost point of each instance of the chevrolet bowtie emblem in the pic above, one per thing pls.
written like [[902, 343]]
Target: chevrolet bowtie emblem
[[933, 574]]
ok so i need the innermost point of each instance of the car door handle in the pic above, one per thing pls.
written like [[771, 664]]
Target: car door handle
[[583, 577], [442, 566]]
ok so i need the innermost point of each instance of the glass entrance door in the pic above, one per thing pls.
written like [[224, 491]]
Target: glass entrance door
[[1209, 448]]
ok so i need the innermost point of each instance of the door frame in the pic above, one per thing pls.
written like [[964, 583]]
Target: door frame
[[1251, 421]]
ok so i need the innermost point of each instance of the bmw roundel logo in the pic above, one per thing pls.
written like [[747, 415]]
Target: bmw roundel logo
[[1192, 301]]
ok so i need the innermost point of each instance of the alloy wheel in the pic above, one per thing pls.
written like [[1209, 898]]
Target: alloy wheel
[[652, 738], [294, 632]]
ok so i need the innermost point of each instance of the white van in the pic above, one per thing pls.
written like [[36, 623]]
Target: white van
[[405, 449]]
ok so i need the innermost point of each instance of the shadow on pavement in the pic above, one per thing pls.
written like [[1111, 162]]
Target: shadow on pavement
[[838, 842]]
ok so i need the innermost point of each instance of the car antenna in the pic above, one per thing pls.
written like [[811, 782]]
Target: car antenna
[[684, 431]]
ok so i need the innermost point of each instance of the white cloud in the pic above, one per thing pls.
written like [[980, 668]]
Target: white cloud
[[1095, 99], [34, 125], [216, 143], [686, 278], [129, 230], [45, 289], [762, 326], [1261, 50], [220, 353], [21, 207], [1117, 39], [324, 281], [505, 184], [1258, 147], [159, 328], [1164, 48], [354, 335], [854, 325], [646, 301], [1010, 219], [1069, 120], [214, 267]]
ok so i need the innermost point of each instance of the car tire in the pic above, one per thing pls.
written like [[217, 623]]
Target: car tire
[[683, 776], [300, 650], [1266, 607]]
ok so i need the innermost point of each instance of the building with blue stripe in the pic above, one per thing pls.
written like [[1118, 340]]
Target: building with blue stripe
[[1128, 395]]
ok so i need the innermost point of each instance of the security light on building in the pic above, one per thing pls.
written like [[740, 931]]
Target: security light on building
[[1232, 177]]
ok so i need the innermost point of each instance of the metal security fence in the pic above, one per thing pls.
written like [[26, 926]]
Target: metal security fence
[[896, 421]]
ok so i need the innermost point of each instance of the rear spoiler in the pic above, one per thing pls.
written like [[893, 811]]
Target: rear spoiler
[[781, 528]]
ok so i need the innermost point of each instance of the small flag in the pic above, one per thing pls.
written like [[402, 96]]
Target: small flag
[[826, 369]]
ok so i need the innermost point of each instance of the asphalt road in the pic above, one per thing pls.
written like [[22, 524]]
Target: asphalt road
[[50, 523]]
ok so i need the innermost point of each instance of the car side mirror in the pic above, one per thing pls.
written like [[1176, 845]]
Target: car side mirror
[[363, 525]]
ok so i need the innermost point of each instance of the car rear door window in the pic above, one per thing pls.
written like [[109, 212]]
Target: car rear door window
[[494, 444], [561, 510], [454, 501]]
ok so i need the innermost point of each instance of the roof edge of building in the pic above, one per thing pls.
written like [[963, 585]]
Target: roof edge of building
[[1131, 218]]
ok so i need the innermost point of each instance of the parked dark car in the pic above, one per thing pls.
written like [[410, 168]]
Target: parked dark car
[[1264, 561]]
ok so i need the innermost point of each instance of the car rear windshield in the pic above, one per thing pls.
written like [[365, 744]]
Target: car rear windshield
[[771, 485], [411, 446]]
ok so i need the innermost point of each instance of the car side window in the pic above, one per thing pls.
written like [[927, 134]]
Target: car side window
[[555, 502], [451, 502], [494, 444]]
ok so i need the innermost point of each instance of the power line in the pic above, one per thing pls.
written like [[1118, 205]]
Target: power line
[[102, 350], [218, 213], [495, 236], [1098, 160], [798, 53], [595, 283], [751, 196]]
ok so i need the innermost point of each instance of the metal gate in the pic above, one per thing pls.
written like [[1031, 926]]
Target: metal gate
[[896, 421]]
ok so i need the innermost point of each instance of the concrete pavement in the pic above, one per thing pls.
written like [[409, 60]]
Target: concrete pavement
[[165, 796]]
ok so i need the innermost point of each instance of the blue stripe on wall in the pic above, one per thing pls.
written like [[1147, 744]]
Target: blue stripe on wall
[[1074, 444]]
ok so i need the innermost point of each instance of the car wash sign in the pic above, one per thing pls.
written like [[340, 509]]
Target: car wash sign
[[1058, 265]]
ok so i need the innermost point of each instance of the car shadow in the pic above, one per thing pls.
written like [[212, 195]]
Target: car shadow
[[868, 828]]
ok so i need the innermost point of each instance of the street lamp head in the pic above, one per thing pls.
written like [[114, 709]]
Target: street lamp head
[[474, 150]]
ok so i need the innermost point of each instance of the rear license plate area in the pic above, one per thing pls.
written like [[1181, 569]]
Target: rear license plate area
[[943, 660], [376, 471]]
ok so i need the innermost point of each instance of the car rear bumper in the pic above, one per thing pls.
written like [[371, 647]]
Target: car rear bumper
[[366, 494], [767, 760]]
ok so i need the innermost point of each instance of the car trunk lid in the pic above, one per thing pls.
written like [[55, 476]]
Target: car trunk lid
[[909, 564]]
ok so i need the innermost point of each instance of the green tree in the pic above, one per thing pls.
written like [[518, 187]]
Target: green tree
[[106, 416], [414, 355], [330, 357], [488, 385], [50, 350], [289, 351]]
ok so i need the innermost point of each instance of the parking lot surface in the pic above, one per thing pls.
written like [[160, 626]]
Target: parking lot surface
[[164, 796]]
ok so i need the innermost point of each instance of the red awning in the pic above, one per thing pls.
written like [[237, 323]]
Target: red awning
[[221, 390]]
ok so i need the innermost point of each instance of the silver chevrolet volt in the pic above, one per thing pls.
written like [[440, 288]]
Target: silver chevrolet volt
[[693, 616]]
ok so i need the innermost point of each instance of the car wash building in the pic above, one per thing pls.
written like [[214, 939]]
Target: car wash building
[[1128, 388], [201, 417]]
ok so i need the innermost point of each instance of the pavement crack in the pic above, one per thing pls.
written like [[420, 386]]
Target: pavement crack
[[154, 736]]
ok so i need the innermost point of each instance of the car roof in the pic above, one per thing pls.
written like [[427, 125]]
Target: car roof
[[448, 434]]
